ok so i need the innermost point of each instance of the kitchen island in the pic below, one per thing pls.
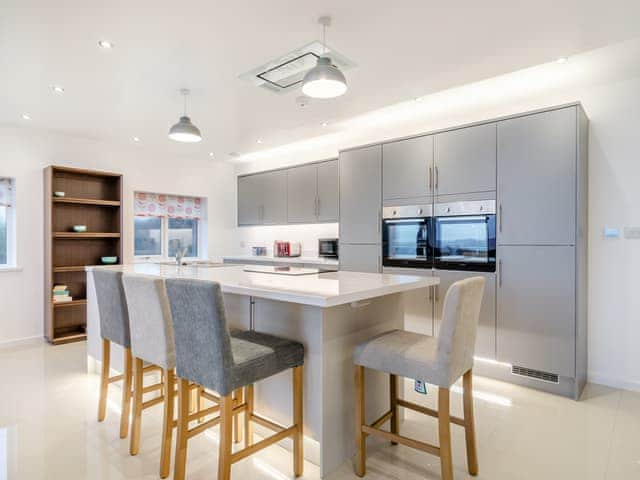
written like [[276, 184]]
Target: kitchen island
[[329, 313]]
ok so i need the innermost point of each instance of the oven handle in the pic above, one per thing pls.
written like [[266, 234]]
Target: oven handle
[[430, 179]]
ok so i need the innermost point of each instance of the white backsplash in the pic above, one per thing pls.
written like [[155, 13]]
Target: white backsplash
[[264, 236]]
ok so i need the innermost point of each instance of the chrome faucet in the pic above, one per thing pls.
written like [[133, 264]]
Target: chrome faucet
[[180, 255]]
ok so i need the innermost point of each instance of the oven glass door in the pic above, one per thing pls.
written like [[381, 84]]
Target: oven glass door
[[405, 243], [465, 243]]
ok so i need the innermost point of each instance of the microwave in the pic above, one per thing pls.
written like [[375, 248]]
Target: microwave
[[328, 247]]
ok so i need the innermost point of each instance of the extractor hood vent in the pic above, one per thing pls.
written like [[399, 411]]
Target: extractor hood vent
[[535, 374], [285, 73]]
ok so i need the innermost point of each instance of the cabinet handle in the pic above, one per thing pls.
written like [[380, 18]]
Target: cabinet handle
[[500, 220], [430, 178], [379, 219], [317, 206], [500, 273], [437, 177], [431, 293]]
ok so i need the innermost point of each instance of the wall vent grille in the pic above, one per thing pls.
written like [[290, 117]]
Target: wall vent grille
[[535, 374]]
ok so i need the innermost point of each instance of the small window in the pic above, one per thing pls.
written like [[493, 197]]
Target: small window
[[4, 244], [7, 215], [165, 225], [183, 234], [148, 236]]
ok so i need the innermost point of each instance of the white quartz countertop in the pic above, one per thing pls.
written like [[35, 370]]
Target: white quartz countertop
[[321, 290], [291, 260]]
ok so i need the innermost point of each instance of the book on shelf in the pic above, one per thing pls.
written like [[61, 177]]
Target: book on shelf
[[62, 298], [58, 288], [60, 293]]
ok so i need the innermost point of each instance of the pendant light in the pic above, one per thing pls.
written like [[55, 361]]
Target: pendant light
[[325, 80], [185, 131]]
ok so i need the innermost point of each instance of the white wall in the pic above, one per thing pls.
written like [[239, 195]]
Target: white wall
[[23, 155], [607, 82]]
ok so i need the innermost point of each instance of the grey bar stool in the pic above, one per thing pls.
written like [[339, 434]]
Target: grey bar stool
[[440, 362], [151, 342], [114, 327], [207, 354]]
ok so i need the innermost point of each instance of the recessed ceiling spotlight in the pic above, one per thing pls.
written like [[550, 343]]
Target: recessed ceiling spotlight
[[418, 99], [106, 44], [136, 139], [259, 140], [324, 124], [58, 89], [562, 60], [26, 116], [211, 154]]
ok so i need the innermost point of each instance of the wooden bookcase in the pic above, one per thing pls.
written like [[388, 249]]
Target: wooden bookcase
[[93, 199]]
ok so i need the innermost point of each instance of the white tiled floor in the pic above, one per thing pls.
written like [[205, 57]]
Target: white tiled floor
[[48, 430]]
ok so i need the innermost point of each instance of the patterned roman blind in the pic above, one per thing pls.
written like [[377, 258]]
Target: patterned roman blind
[[6, 192], [171, 206]]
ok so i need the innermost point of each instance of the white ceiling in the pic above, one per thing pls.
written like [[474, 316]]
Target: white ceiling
[[402, 50]]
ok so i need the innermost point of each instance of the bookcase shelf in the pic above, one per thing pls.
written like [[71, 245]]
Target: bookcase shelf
[[94, 199]]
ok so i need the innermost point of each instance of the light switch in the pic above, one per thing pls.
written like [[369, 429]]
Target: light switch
[[632, 233], [611, 232]]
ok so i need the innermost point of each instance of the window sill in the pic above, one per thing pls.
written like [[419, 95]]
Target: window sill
[[10, 268]]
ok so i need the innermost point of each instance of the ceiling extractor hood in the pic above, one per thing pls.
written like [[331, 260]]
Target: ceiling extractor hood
[[285, 73]]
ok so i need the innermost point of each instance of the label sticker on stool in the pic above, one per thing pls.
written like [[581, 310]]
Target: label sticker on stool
[[421, 387]]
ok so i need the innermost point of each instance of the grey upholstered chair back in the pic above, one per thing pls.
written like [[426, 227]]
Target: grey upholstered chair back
[[457, 337], [112, 306], [150, 320], [203, 343]]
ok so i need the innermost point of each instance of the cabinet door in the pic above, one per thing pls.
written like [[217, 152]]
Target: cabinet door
[[274, 197], [536, 308], [406, 165], [465, 160], [537, 178], [249, 200], [360, 258], [301, 194], [328, 191], [360, 195], [486, 336], [418, 304]]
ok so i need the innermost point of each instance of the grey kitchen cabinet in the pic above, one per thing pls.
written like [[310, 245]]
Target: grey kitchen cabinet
[[360, 196], [328, 191], [465, 160], [274, 197], [486, 336], [249, 200], [360, 258], [407, 168], [301, 194], [312, 193], [537, 178], [418, 304], [536, 308], [262, 199]]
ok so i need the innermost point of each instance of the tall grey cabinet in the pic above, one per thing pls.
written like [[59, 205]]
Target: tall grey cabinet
[[541, 246], [360, 209]]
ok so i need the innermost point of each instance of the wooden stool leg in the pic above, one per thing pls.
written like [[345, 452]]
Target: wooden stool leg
[[167, 423], [226, 437], [104, 379], [200, 403], [125, 410], [469, 424], [248, 426], [138, 373], [444, 428], [183, 430], [237, 431], [361, 445], [393, 401], [298, 421]]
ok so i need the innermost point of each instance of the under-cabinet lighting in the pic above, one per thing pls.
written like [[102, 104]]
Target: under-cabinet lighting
[[492, 362]]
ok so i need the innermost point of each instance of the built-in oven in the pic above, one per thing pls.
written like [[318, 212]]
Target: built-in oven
[[406, 236], [465, 235]]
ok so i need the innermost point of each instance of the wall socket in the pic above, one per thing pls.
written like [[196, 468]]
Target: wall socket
[[632, 233]]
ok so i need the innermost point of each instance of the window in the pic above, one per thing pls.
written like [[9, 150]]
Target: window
[[7, 256], [167, 224]]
